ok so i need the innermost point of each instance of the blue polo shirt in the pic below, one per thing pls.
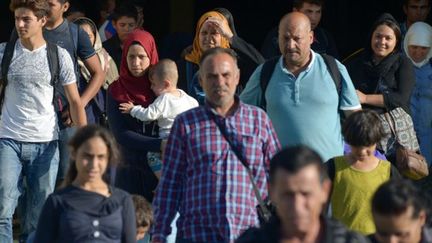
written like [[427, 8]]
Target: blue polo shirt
[[304, 110]]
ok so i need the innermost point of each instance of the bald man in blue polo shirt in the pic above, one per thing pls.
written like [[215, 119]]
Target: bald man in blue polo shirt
[[301, 97]]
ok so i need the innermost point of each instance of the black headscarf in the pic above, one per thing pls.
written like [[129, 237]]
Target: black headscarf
[[377, 70], [229, 17]]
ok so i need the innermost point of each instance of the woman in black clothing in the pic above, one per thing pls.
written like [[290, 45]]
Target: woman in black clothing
[[88, 209], [383, 77]]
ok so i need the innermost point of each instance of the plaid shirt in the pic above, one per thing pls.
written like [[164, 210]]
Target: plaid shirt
[[203, 179]]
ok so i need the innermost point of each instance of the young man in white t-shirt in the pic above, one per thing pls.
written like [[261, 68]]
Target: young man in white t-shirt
[[28, 122]]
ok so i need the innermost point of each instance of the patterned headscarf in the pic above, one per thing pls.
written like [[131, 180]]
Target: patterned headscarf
[[195, 55]]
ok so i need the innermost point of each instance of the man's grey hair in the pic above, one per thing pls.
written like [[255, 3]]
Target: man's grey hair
[[218, 50]]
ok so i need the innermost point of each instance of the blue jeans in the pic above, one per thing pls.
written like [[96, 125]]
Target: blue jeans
[[64, 137], [37, 163]]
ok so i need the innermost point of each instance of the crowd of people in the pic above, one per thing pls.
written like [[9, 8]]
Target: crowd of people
[[100, 141]]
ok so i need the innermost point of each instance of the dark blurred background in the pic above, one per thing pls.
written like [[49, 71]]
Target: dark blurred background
[[347, 20]]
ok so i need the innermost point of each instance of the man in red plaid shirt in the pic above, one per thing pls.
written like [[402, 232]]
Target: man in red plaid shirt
[[203, 178]]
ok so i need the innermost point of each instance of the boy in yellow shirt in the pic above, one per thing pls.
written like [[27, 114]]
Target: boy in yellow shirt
[[357, 175]]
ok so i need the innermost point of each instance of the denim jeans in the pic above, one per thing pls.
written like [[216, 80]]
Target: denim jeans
[[37, 163], [64, 136]]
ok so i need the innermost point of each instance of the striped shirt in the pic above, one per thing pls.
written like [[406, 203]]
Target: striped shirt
[[205, 182]]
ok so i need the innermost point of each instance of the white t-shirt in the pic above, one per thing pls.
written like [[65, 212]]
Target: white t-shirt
[[28, 113], [165, 109]]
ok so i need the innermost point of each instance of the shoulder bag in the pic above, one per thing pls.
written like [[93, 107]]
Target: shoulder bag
[[263, 209], [405, 145]]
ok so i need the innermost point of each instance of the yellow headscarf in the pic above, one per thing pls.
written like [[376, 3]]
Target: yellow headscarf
[[195, 55]]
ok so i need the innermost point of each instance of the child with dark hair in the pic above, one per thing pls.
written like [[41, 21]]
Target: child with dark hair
[[357, 175], [144, 216]]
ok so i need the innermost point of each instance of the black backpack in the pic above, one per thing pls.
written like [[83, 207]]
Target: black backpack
[[59, 99], [269, 66]]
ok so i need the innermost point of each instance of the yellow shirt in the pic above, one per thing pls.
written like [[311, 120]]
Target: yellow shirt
[[352, 194]]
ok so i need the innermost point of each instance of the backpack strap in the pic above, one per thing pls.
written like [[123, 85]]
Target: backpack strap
[[8, 53], [331, 168], [337, 79], [73, 33], [266, 74], [53, 63], [5, 63], [59, 99], [334, 71], [269, 66]]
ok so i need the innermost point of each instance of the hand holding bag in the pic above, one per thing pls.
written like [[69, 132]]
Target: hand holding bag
[[398, 127], [397, 124], [408, 161]]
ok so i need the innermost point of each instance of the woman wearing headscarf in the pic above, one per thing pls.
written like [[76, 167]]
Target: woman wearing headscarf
[[382, 76], [95, 110], [135, 137], [213, 30], [240, 44], [382, 64], [417, 46]]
